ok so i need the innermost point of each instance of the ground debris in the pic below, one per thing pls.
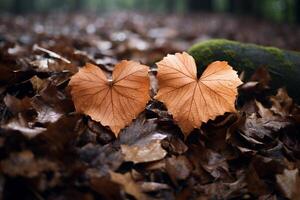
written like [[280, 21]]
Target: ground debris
[[48, 151]]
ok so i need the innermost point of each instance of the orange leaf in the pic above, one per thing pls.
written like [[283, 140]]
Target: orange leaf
[[114, 103], [190, 100]]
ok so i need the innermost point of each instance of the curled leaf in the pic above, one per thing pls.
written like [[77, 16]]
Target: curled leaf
[[114, 103], [190, 100]]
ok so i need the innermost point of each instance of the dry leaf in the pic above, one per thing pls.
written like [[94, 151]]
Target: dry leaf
[[150, 152], [141, 141], [16, 105], [24, 163], [289, 183], [190, 100], [106, 188], [128, 184], [153, 186], [114, 103], [282, 104], [178, 168]]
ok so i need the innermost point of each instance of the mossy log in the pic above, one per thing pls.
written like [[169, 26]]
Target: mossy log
[[283, 65]]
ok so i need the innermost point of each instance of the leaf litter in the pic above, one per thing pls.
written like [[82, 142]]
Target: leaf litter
[[48, 151]]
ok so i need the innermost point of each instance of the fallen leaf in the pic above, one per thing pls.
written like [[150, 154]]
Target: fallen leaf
[[153, 186], [141, 142], [55, 98], [139, 130], [151, 151], [18, 124], [282, 104], [265, 125], [59, 142], [25, 164], [255, 185], [37, 83], [114, 103], [128, 184], [224, 190], [106, 188], [16, 105], [178, 168], [103, 134], [45, 112], [71, 194], [262, 76], [190, 100], [259, 81], [289, 183], [50, 53], [174, 145], [102, 159], [24, 116], [210, 162]]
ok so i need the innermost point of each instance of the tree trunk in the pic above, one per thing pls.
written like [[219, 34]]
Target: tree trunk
[[284, 66]]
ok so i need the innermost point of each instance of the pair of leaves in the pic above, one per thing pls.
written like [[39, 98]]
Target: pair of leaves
[[191, 101]]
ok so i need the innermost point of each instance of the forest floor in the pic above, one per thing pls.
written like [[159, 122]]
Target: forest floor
[[48, 151]]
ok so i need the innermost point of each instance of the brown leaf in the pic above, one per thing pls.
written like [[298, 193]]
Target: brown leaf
[[114, 103], [207, 161], [149, 152], [25, 164], [20, 124], [108, 189], [128, 184], [255, 184], [141, 142], [45, 112], [139, 130], [60, 136], [101, 159], [192, 100], [174, 145], [55, 98], [225, 190], [289, 183], [16, 105], [282, 104], [267, 124], [178, 168]]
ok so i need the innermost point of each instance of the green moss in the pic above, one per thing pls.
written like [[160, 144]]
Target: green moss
[[247, 63], [280, 56], [215, 43], [277, 53], [284, 66], [230, 53], [205, 51], [218, 44]]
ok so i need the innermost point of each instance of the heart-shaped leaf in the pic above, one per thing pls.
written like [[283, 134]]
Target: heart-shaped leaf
[[190, 100], [114, 103]]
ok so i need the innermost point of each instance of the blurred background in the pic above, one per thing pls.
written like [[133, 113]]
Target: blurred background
[[287, 11], [105, 31]]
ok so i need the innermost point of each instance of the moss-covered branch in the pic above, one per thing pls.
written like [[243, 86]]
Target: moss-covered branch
[[284, 66]]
